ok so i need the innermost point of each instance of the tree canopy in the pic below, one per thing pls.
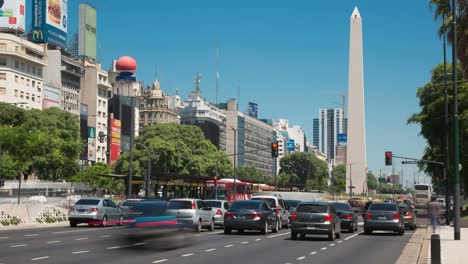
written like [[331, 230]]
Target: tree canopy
[[338, 180], [100, 183], [249, 174], [371, 181], [305, 168]]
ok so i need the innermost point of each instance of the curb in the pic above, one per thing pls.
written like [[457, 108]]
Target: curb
[[33, 226], [424, 257], [414, 247]]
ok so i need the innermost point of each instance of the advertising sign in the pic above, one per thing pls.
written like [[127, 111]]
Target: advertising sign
[[87, 32], [115, 140], [290, 145], [48, 103], [253, 110], [12, 15], [342, 138], [91, 143], [50, 22]]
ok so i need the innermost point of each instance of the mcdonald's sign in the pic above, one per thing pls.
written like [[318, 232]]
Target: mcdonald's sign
[[37, 36], [49, 22]]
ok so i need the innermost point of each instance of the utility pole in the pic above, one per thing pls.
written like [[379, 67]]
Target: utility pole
[[350, 182], [456, 140], [235, 162], [446, 131], [130, 166]]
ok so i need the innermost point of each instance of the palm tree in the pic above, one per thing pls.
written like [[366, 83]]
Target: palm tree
[[443, 10]]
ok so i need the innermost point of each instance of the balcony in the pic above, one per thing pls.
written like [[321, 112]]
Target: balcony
[[23, 52]]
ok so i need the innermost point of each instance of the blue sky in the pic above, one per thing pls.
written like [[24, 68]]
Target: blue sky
[[290, 57]]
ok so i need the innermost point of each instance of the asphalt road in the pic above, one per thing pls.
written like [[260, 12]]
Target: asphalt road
[[108, 245]]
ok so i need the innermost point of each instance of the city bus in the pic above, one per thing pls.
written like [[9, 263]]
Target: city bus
[[225, 190], [258, 187], [422, 195]]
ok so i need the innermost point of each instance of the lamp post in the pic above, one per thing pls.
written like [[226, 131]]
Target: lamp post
[[235, 162]]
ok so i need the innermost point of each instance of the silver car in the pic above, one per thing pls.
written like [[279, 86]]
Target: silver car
[[95, 211], [219, 208], [192, 212]]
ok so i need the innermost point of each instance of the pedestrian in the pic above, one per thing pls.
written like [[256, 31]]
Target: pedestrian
[[433, 211]]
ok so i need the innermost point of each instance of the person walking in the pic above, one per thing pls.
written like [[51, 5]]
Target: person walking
[[433, 211]]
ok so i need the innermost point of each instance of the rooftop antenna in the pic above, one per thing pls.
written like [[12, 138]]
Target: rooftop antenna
[[196, 82], [217, 69], [238, 93]]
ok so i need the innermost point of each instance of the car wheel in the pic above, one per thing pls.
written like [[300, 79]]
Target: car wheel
[[90, 225], [240, 230], [104, 221], [293, 236], [211, 228], [338, 234], [331, 236], [265, 229], [351, 229], [288, 224], [401, 232], [302, 236], [227, 230], [199, 226], [121, 220], [275, 230], [280, 224], [356, 227], [72, 224]]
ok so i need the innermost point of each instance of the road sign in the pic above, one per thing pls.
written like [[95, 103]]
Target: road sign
[[410, 162], [342, 138], [290, 144]]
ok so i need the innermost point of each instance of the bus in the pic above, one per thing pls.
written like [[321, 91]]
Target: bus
[[224, 188], [422, 195], [258, 187]]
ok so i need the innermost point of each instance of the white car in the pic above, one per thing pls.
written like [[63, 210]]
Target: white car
[[276, 201], [192, 212], [219, 208]]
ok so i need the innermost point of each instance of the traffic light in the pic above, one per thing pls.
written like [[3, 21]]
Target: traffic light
[[388, 158], [388, 179], [274, 149]]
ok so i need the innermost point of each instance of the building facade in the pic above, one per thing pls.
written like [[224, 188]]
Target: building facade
[[326, 130], [21, 71]]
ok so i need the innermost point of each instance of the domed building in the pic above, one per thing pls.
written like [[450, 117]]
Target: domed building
[[154, 108]]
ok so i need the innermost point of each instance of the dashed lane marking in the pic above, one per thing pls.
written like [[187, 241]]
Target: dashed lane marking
[[258, 239], [30, 235], [228, 246], [188, 255], [161, 260], [53, 242], [301, 258], [341, 241], [81, 238], [332, 245], [210, 233], [85, 230], [211, 249], [313, 253], [105, 236], [244, 242], [348, 238], [80, 252], [324, 248], [3, 237], [39, 258], [115, 247], [283, 234], [21, 245]]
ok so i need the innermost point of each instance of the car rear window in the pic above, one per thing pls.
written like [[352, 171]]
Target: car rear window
[[311, 208], [180, 205], [292, 203], [145, 209], [270, 201], [245, 205], [382, 207], [88, 202], [341, 207], [215, 204]]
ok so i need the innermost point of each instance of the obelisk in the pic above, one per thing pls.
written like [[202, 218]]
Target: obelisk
[[356, 164]]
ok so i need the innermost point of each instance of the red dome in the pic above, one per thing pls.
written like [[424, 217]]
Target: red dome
[[126, 63]]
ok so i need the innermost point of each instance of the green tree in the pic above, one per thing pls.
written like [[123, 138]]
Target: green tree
[[249, 173], [442, 9], [305, 168], [176, 150], [91, 177], [338, 180], [371, 181]]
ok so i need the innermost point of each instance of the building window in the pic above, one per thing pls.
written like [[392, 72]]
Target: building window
[[28, 68], [27, 82], [2, 76], [99, 102], [33, 84], [22, 94], [39, 72], [39, 89], [16, 78], [16, 93], [22, 80], [2, 91], [3, 61], [33, 98], [16, 64], [3, 46], [22, 66]]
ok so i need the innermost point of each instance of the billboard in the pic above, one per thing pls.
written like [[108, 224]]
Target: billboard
[[342, 138], [48, 103], [290, 145], [115, 140], [87, 32], [50, 22], [12, 15], [91, 143], [253, 110]]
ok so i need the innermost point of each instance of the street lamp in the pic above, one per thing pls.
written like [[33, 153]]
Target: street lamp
[[235, 161]]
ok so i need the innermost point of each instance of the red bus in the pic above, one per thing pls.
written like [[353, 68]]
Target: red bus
[[225, 190]]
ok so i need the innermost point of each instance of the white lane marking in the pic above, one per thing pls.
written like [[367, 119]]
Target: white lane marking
[[283, 234], [211, 249], [80, 252], [116, 247], [340, 241], [324, 248], [21, 245], [313, 253], [332, 245], [357, 234], [53, 242], [81, 238], [105, 236], [244, 242], [301, 258], [258, 239], [159, 261], [210, 233], [188, 255], [85, 230], [138, 244], [3, 237], [228, 246], [39, 258], [30, 235]]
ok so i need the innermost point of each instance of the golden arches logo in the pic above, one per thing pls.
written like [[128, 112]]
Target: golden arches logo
[[37, 35]]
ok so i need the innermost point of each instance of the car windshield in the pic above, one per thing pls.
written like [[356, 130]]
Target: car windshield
[[341, 206], [270, 201], [129, 203], [312, 208], [382, 207], [292, 203], [88, 202], [180, 205], [216, 204], [245, 205]]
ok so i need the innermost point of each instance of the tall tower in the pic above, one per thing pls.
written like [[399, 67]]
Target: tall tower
[[356, 164]]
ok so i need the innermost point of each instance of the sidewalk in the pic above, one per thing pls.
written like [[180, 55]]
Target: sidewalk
[[452, 252], [31, 226]]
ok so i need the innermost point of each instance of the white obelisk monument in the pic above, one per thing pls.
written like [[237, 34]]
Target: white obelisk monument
[[356, 164]]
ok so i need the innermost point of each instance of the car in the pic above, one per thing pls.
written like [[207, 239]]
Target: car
[[276, 202], [384, 216], [349, 219], [291, 206], [95, 211], [315, 218], [251, 215], [408, 215], [193, 212], [219, 208]]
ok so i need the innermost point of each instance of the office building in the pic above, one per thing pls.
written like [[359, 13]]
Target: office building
[[326, 129]]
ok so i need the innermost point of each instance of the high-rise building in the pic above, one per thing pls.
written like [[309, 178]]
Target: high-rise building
[[73, 46], [21, 71], [326, 130]]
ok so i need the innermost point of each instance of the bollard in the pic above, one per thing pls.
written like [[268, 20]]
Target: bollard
[[435, 249]]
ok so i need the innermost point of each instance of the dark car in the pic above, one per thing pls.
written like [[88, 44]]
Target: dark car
[[349, 220], [292, 204], [251, 215], [317, 218], [408, 215], [384, 216], [364, 210]]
